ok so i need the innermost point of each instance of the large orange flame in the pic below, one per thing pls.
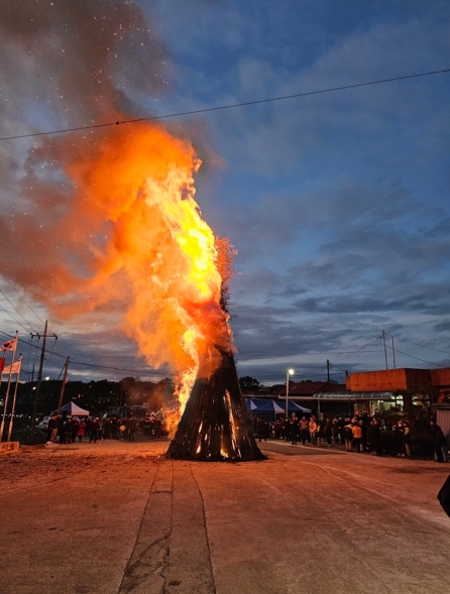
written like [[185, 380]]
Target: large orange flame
[[156, 253]]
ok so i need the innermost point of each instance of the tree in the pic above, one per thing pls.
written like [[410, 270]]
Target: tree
[[418, 404], [224, 263], [249, 384]]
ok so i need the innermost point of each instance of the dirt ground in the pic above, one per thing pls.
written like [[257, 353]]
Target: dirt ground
[[118, 518]]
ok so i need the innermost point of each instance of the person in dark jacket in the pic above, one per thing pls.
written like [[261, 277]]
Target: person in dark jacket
[[438, 438], [406, 440], [261, 429], [294, 429], [398, 431], [52, 430], [328, 431], [375, 442], [95, 430]]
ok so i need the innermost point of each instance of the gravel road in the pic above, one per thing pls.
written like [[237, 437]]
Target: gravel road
[[118, 518]]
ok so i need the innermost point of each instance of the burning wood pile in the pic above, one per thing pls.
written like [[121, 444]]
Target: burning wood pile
[[127, 232], [215, 425]]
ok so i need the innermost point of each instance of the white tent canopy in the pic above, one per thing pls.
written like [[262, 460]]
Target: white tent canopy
[[73, 410]]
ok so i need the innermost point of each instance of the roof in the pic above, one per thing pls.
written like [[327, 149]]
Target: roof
[[305, 388], [349, 395]]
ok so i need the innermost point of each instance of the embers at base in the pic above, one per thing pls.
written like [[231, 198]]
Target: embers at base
[[215, 425]]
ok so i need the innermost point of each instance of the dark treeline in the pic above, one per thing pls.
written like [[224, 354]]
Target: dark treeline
[[95, 396]]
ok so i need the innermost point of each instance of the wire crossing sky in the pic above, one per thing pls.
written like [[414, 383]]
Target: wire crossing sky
[[337, 204], [221, 107]]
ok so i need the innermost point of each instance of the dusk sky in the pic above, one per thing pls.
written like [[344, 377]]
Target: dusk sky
[[337, 203]]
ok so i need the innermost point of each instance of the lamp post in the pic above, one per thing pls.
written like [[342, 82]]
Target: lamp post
[[288, 373]]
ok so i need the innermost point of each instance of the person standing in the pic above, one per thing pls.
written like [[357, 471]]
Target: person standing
[[357, 436], [375, 440], [261, 428], [398, 431], [328, 431], [68, 430], [335, 431], [312, 430], [438, 439], [277, 429], [95, 429], [406, 449], [293, 429], [53, 426], [348, 435], [320, 433], [304, 429], [81, 431], [341, 422], [75, 425]]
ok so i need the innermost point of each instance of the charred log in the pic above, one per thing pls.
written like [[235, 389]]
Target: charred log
[[215, 424]]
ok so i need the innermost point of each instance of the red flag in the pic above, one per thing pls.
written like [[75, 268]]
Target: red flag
[[2, 364]]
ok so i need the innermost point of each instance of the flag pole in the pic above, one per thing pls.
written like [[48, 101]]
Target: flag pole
[[5, 407], [13, 408]]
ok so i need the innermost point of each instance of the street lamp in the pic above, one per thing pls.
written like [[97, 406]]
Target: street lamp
[[288, 373]]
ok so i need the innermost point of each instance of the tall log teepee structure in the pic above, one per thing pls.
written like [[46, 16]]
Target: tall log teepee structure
[[215, 424]]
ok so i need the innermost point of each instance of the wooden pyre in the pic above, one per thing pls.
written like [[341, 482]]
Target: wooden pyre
[[215, 424]]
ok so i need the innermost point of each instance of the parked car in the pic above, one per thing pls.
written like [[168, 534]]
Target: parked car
[[44, 423]]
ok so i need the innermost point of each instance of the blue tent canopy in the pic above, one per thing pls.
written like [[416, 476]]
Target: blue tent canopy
[[73, 410], [259, 405], [294, 407]]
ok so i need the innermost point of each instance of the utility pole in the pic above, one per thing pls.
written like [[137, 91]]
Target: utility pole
[[328, 370], [383, 336], [63, 385], [38, 387], [393, 353]]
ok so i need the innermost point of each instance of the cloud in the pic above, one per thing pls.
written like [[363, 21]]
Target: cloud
[[337, 203]]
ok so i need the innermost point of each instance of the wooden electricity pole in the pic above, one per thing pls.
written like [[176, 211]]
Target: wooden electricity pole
[[63, 385], [383, 336], [38, 387]]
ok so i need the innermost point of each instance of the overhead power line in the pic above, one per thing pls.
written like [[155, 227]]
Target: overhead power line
[[232, 105], [417, 358], [13, 318], [425, 346], [21, 297], [358, 350]]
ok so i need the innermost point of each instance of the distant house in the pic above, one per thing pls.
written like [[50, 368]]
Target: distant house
[[387, 388], [304, 392]]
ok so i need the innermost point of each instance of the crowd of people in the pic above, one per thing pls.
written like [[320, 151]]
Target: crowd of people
[[359, 433], [71, 429]]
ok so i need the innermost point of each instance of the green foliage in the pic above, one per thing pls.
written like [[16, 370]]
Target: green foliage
[[248, 383]]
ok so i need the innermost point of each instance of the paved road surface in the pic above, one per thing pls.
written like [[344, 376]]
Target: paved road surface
[[117, 518]]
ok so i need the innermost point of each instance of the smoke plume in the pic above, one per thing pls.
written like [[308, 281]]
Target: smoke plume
[[103, 220]]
